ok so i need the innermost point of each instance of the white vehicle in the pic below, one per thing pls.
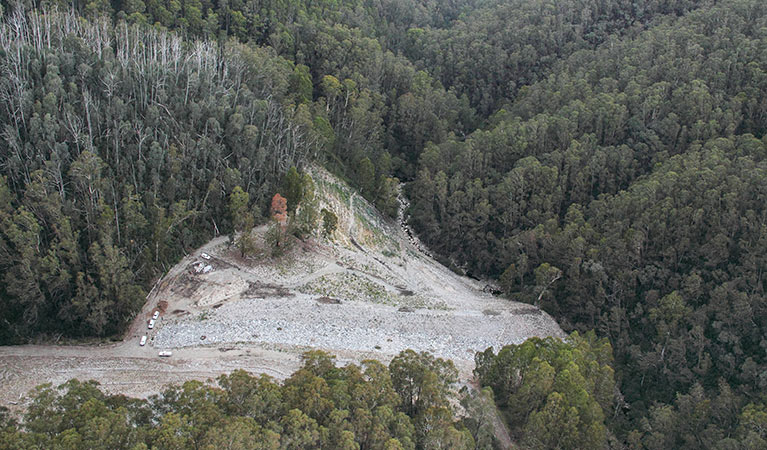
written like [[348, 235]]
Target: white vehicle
[[151, 324], [143, 341], [204, 256], [156, 315], [207, 269], [165, 353]]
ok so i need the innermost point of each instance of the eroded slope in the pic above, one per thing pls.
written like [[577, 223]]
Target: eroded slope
[[368, 289]]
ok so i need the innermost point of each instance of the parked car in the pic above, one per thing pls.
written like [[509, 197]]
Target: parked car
[[165, 353], [156, 315], [151, 324], [143, 341], [204, 256]]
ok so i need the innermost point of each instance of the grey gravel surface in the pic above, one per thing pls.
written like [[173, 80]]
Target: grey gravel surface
[[353, 326]]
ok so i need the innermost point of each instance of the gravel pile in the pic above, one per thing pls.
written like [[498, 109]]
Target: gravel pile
[[352, 326]]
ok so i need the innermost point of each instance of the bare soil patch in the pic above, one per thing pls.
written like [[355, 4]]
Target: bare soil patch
[[531, 311], [257, 289]]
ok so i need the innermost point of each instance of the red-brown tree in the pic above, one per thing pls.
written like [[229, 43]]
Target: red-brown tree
[[279, 208]]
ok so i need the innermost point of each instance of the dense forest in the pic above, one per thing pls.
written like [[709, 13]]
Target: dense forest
[[624, 193], [603, 159]]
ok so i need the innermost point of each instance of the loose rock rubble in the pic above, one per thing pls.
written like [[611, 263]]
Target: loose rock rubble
[[373, 288], [357, 326]]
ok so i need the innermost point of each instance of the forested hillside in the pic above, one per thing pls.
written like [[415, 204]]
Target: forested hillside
[[119, 148], [604, 160], [625, 193], [122, 143]]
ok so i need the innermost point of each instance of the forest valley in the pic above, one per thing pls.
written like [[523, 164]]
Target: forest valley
[[602, 159]]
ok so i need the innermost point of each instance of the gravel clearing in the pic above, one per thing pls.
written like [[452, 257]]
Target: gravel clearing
[[352, 326], [392, 295], [369, 292]]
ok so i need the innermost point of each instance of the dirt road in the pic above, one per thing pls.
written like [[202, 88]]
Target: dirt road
[[120, 369]]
